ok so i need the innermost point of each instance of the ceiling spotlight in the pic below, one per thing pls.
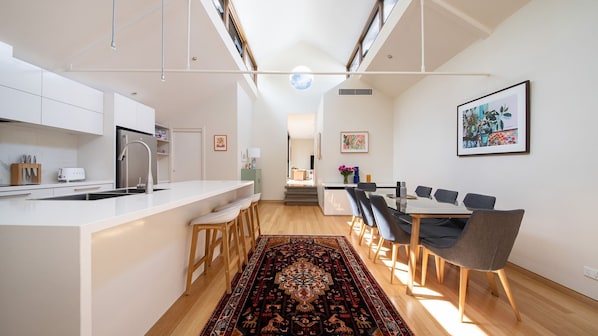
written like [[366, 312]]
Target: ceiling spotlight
[[194, 58], [133, 93], [389, 56]]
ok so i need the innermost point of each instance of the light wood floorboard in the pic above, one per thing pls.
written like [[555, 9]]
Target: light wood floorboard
[[546, 308]]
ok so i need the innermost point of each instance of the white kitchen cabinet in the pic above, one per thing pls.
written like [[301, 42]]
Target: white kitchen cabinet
[[41, 191], [20, 87], [71, 92], [20, 106], [82, 189], [62, 115], [26, 193], [133, 115], [71, 105], [20, 75]]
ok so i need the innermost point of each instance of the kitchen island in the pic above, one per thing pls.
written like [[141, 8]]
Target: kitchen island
[[102, 267]]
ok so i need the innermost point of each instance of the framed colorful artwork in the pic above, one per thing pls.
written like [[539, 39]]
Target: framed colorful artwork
[[354, 142], [496, 123], [220, 143]]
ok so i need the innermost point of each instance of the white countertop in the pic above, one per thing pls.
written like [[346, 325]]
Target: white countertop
[[101, 214]]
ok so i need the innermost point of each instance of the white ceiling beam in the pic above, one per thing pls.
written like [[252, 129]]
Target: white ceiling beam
[[470, 21]]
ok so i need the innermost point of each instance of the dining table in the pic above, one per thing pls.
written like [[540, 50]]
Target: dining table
[[418, 208]]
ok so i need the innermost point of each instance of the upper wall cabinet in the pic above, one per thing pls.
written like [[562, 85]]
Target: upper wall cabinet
[[20, 90], [133, 115], [71, 105]]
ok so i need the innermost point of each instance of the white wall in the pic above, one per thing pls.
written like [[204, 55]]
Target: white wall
[[301, 150], [276, 101], [216, 116], [244, 126], [553, 44], [356, 113], [53, 149]]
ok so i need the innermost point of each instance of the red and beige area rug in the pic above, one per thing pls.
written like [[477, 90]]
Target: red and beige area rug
[[305, 285]]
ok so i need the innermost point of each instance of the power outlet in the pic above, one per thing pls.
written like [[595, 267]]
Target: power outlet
[[590, 272]]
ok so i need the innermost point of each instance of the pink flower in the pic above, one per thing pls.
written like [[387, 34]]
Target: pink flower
[[345, 171]]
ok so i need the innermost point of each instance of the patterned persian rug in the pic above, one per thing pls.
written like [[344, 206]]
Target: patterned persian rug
[[305, 285]]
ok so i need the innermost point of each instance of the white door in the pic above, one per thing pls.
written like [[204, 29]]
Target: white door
[[187, 158]]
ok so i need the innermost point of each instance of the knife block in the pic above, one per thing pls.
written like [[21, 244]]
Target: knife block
[[18, 175]]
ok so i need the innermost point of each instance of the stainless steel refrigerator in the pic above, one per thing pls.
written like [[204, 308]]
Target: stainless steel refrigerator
[[132, 169]]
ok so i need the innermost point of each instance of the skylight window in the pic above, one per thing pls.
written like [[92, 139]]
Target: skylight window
[[301, 81]]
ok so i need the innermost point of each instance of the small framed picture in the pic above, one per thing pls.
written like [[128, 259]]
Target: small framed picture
[[220, 143], [354, 142]]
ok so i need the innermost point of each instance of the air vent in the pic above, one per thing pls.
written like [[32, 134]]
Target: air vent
[[354, 92]]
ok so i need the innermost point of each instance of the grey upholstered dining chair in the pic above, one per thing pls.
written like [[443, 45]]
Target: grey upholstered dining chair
[[355, 210], [367, 186], [423, 191], [484, 245], [388, 230], [446, 196], [474, 201], [367, 216]]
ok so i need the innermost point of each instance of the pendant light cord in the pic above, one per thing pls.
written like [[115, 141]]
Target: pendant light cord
[[113, 42], [163, 77]]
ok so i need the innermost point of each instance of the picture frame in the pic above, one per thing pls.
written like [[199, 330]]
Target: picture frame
[[319, 146], [220, 143], [497, 123], [354, 142]]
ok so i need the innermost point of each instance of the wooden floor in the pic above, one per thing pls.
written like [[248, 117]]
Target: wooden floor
[[546, 308]]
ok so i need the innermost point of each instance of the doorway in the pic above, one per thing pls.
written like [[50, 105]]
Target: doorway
[[187, 154], [300, 150]]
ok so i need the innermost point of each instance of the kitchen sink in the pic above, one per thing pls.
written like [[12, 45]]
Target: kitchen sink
[[129, 191], [98, 195], [84, 197]]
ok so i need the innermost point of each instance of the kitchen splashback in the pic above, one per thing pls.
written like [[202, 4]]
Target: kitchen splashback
[[52, 148]]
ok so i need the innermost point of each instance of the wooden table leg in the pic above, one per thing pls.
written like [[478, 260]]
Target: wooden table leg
[[413, 250]]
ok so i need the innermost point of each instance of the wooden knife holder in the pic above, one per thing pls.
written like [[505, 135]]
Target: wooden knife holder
[[18, 173]]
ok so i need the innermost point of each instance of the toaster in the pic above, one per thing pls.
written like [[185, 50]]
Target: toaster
[[71, 174]]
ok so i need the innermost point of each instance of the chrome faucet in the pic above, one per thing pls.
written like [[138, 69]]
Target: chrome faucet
[[149, 187]]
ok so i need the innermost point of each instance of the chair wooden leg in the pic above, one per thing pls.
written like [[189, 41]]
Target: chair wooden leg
[[425, 255], [241, 230], [251, 229], [464, 277], [394, 261], [190, 266], [226, 251], [492, 283], [235, 236], [505, 283], [257, 217], [439, 268], [353, 221], [213, 243], [370, 242], [361, 232], [380, 243]]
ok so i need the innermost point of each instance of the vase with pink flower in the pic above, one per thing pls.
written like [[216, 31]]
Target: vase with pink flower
[[345, 171]]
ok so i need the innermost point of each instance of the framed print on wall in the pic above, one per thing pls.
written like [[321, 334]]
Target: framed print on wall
[[354, 142], [220, 143], [497, 123]]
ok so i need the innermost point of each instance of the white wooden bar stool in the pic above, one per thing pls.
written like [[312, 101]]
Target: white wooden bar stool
[[224, 221], [255, 217], [243, 204]]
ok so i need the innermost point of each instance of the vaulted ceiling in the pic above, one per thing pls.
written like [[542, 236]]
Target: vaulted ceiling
[[72, 37]]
